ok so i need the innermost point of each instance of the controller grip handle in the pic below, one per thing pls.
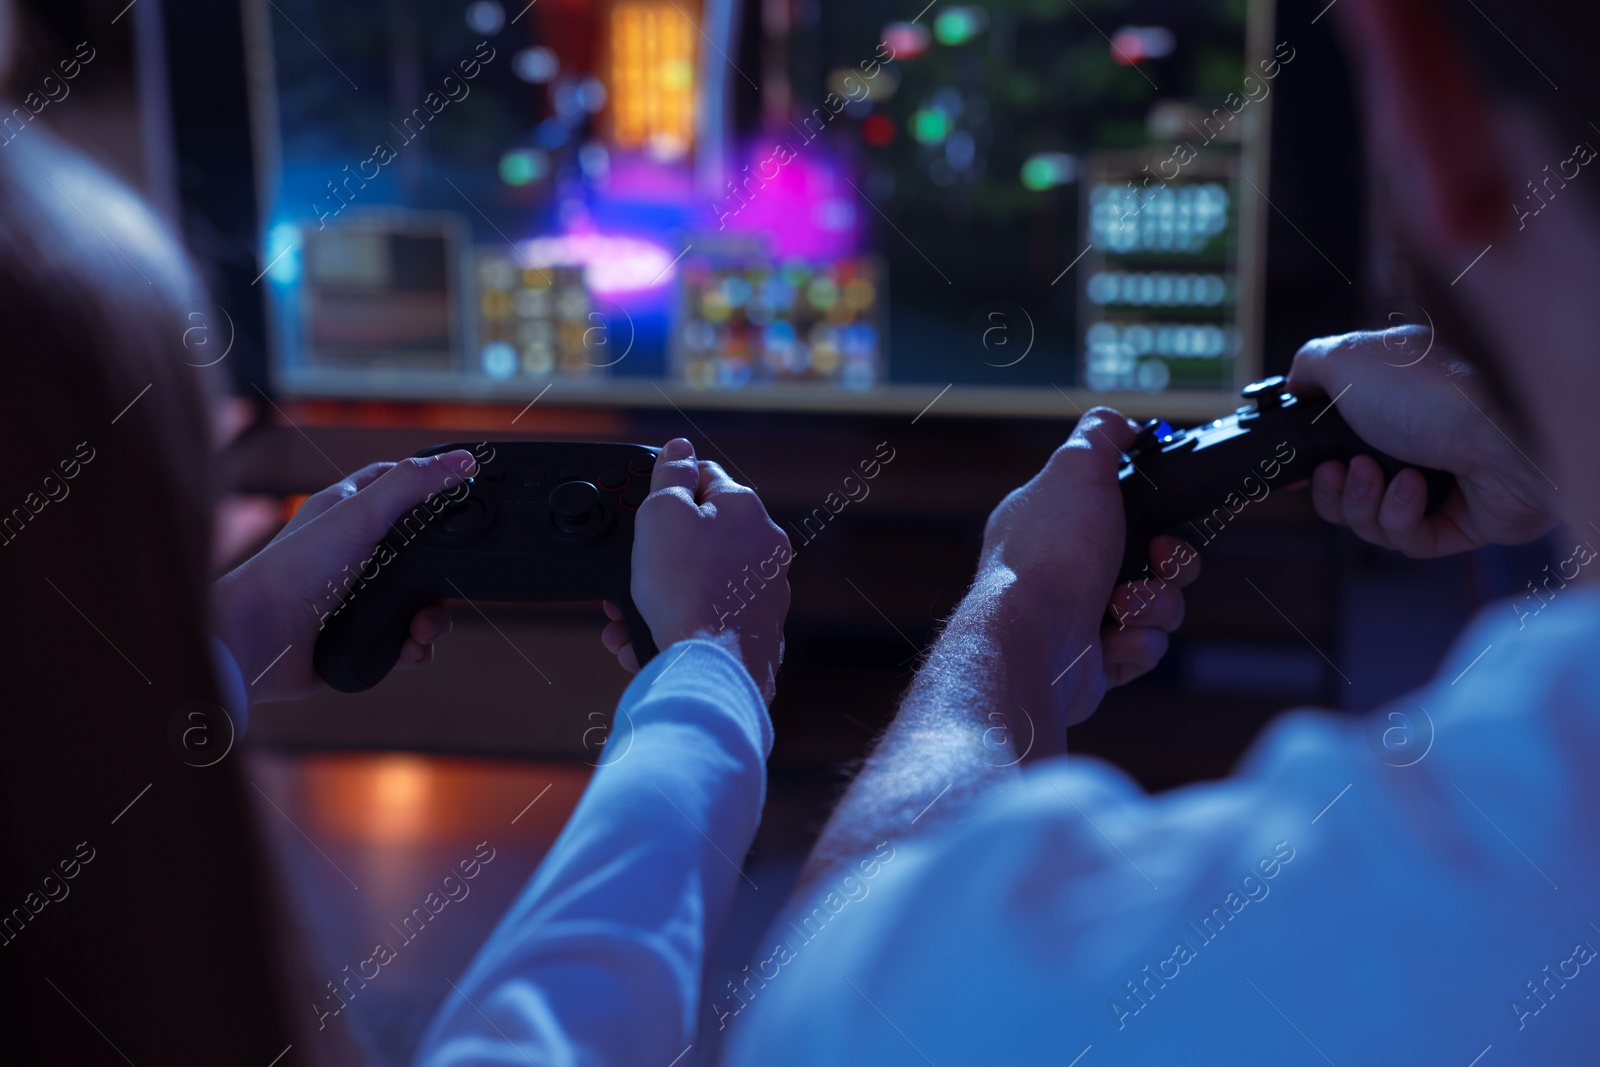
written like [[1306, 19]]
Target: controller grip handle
[[644, 642], [349, 664], [360, 644]]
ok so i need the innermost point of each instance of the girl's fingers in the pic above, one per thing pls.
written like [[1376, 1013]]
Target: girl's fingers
[[431, 624], [414, 655], [614, 636]]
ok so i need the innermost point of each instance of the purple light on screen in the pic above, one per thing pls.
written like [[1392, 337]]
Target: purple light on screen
[[797, 199], [612, 263]]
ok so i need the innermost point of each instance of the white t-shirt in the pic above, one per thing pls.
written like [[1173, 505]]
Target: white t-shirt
[[599, 960], [1355, 895]]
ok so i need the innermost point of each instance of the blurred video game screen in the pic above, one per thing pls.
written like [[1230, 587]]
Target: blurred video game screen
[[633, 200]]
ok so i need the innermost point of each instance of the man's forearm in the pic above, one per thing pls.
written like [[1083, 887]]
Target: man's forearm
[[991, 694]]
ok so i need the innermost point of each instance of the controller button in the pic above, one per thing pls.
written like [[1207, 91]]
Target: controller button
[[531, 478], [575, 508], [613, 478], [642, 464], [634, 495], [574, 500], [464, 518], [1267, 393], [1148, 433]]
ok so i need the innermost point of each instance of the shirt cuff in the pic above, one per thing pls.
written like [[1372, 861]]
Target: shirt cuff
[[702, 675]]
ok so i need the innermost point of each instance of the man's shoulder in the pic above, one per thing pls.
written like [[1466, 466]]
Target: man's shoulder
[[1089, 910], [1518, 705], [1516, 642]]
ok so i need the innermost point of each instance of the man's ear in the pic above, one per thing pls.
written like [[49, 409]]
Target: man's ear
[[1430, 124]]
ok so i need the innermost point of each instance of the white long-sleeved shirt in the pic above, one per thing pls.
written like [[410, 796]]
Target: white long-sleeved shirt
[[1421, 887], [599, 960]]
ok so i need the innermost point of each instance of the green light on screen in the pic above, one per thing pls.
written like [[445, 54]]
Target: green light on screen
[[522, 167], [957, 25], [930, 125]]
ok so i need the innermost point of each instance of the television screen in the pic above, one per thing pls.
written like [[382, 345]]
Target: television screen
[[802, 203]]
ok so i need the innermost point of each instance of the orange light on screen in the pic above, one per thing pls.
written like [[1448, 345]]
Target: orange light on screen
[[652, 78]]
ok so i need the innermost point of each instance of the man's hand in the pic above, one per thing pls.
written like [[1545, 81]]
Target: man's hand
[[1061, 537], [1028, 652], [1432, 412], [269, 609], [707, 562]]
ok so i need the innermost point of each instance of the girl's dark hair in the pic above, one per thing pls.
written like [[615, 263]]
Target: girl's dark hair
[[136, 906]]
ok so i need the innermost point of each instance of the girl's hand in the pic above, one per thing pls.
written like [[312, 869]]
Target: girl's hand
[[270, 609]]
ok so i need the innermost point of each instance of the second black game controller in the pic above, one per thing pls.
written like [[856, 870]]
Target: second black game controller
[[1193, 482], [540, 521]]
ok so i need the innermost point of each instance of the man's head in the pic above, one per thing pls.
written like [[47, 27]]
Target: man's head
[[1486, 175]]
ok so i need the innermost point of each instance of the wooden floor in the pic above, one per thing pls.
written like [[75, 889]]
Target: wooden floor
[[364, 838]]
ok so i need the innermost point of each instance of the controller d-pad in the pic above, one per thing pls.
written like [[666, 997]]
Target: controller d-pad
[[460, 520], [575, 507]]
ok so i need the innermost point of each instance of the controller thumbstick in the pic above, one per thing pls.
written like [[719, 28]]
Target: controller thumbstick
[[575, 506], [1267, 393]]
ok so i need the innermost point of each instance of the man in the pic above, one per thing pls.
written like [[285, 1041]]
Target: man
[[1322, 904]]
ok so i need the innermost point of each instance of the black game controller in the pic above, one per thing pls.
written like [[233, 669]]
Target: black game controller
[[540, 522], [1199, 479]]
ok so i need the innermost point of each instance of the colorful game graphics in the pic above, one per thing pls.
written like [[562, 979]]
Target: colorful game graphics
[[1160, 300], [375, 293], [537, 322], [761, 323]]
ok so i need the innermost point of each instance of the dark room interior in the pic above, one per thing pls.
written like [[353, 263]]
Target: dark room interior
[[902, 239]]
